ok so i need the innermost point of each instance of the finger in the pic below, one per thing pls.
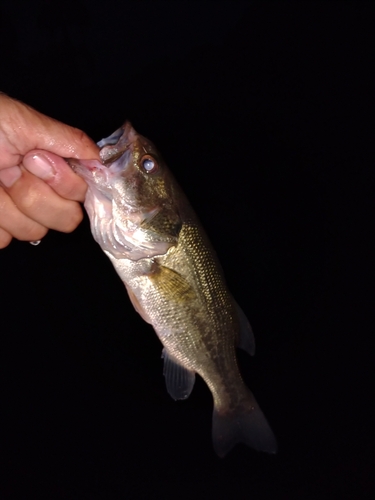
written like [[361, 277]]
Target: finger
[[56, 173], [5, 238], [17, 224], [23, 129], [39, 202], [8, 176]]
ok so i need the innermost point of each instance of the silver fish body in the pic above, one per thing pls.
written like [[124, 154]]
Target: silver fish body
[[145, 225]]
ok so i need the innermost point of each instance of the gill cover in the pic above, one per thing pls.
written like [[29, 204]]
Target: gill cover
[[131, 206]]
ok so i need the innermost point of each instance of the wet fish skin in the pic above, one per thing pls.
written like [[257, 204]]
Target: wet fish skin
[[146, 226]]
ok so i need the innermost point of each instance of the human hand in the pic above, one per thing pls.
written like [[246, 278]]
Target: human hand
[[38, 190]]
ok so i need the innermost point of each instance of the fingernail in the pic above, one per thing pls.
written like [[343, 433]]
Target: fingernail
[[8, 176], [39, 165]]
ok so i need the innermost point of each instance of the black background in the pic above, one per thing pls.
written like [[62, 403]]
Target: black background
[[263, 111]]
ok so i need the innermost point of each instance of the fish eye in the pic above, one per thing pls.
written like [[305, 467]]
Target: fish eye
[[149, 164]]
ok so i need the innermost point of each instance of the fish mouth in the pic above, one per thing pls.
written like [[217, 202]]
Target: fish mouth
[[111, 149], [98, 174], [112, 139], [114, 146]]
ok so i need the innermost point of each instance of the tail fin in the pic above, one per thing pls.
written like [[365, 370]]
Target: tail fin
[[245, 424]]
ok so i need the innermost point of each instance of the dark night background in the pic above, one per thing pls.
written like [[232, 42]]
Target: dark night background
[[262, 110]]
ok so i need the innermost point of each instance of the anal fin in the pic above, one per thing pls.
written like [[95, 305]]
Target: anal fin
[[179, 380]]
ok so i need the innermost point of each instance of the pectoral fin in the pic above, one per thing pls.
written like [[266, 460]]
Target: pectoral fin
[[179, 380], [246, 340], [172, 285]]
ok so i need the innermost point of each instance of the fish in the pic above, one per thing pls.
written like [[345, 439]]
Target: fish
[[144, 223]]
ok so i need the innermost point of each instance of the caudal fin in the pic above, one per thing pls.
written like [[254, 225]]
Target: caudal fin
[[246, 424]]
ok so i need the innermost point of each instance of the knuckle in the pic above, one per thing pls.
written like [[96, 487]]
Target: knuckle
[[30, 200], [80, 137]]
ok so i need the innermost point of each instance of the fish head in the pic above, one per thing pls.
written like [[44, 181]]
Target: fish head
[[130, 201], [139, 176]]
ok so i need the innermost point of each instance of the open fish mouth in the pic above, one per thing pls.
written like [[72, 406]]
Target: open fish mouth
[[111, 149], [112, 139], [114, 146]]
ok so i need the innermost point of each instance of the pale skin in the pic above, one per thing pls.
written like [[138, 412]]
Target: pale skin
[[38, 190]]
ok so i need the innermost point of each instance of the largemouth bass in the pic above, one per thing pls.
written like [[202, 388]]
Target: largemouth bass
[[146, 226]]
